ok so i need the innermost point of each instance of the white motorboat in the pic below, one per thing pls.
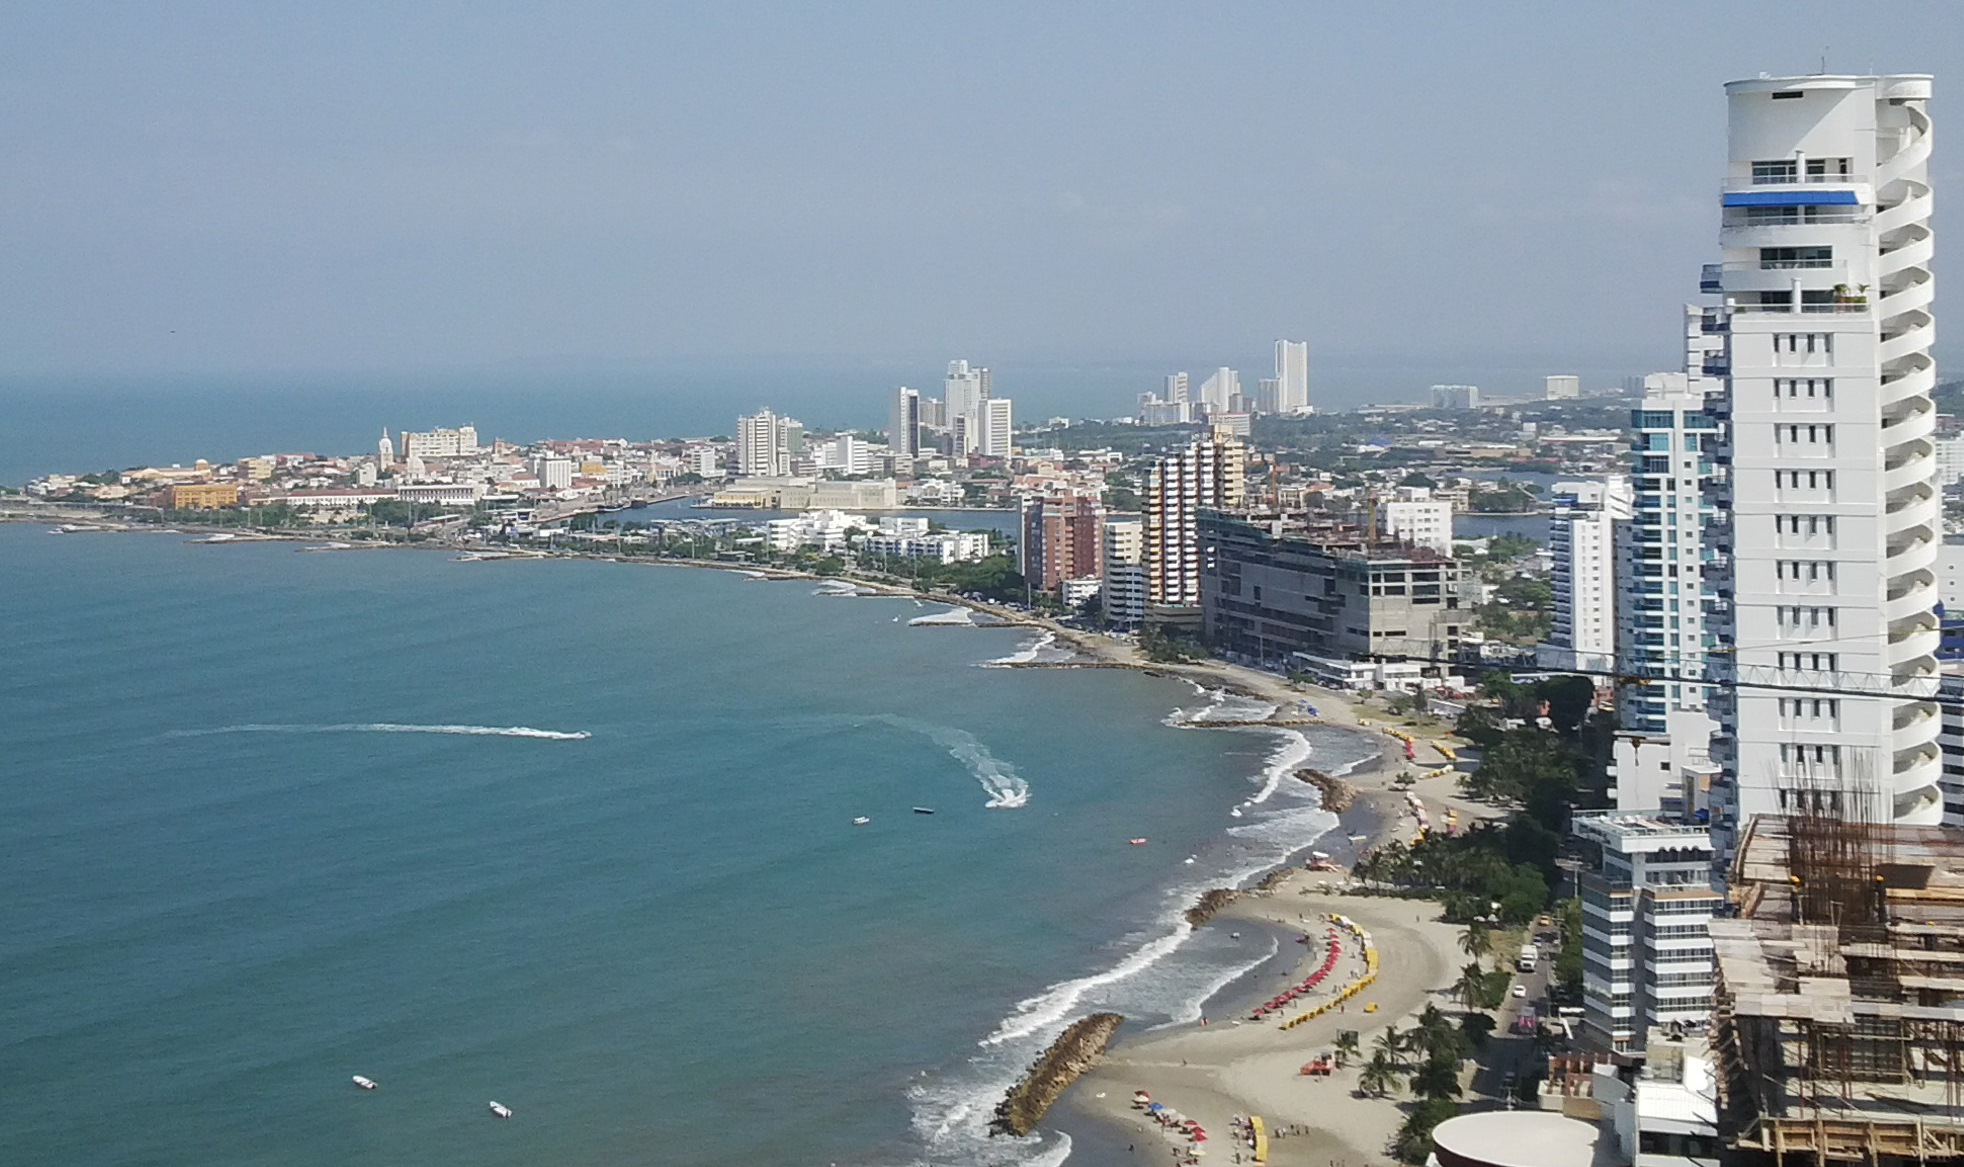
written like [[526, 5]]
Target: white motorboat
[[364, 1083], [861, 821], [501, 1110]]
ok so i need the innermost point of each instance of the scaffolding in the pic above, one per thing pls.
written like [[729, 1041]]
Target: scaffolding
[[1838, 1023]]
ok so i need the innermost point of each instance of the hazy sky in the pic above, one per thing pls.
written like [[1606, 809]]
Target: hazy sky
[[195, 187]]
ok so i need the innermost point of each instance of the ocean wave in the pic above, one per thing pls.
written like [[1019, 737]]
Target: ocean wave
[[1289, 756], [956, 616], [1190, 1010], [1056, 1003], [1027, 653], [391, 727], [1006, 788]]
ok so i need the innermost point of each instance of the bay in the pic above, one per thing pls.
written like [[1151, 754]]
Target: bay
[[277, 818]]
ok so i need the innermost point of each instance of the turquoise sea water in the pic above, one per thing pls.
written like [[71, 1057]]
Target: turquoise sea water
[[275, 818]]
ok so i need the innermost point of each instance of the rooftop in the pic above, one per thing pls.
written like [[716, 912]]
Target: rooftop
[[1621, 827], [1521, 1138]]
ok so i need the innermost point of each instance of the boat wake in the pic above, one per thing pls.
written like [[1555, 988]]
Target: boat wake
[[391, 727], [1006, 788]]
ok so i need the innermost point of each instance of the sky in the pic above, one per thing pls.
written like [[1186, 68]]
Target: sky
[[222, 189]]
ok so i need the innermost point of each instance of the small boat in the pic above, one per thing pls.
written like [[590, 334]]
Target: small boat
[[364, 1083], [1235, 813], [861, 821], [923, 810], [1136, 842], [501, 1110]]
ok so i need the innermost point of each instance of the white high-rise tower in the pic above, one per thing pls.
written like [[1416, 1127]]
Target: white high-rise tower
[[1292, 376], [904, 423], [1826, 577]]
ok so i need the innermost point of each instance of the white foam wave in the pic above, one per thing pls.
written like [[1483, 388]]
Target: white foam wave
[[391, 727], [1028, 652], [1191, 1009], [1006, 788], [1055, 1004], [1289, 756], [959, 616]]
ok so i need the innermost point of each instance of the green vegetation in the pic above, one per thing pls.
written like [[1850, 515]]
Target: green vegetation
[[1568, 962], [1503, 498], [1545, 772], [1509, 546], [1162, 647], [391, 512]]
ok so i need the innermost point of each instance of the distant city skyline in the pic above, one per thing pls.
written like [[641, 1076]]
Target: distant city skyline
[[206, 189]]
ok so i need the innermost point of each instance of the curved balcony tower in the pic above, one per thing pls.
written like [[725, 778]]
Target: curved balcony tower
[[1835, 517]]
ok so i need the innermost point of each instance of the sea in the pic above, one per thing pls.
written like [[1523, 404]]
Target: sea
[[578, 837]]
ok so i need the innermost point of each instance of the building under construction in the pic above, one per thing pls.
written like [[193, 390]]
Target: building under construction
[[1838, 1021]]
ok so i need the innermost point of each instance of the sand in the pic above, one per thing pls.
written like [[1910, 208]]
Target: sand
[[1233, 1066]]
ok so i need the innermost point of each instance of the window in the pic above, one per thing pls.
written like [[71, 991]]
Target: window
[[1803, 619], [1804, 480], [1799, 761], [1798, 434], [1803, 389], [1804, 570], [1815, 800], [1783, 170], [1809, 708], [1821, 343], [1818, 662], [1803, 525], [1788, 95], [1785, 258]]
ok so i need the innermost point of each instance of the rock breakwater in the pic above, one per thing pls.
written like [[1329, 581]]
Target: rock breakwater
[[1210, 902], [1337, 794], [1076, 1050]]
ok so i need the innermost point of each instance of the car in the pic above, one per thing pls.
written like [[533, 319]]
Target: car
[[1520, 990]]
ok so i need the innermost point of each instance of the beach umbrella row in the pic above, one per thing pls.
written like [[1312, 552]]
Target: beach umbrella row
[[1369, 974], [1332, 950]]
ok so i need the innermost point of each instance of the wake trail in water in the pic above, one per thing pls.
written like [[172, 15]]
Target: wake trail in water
[[1006, 788], [391, 727]]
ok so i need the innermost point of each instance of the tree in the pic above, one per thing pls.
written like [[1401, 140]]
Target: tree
[[1471, 986], [1568, 961], [1478, 725], [1437, 1077], [1508, 545], [1347, 1046], [1476, 942], [1413, 1143], [1391, 1043], [1435, 1036], [1379, 1075]]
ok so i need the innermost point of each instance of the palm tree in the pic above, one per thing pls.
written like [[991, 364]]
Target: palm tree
[[1471, 987], [1476, 941], [1436, 1036], [1391, 1046], [1379, 1075], [1347, 1046], [1437, 1078]]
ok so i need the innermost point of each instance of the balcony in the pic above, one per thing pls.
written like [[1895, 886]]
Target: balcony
[[1762, 182], [1835, 307], [1780, 224]]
